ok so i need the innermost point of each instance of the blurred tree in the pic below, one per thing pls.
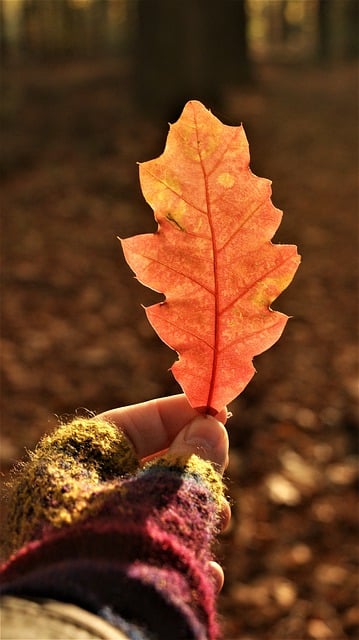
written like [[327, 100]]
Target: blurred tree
[[3, 33], [181, 48], [324, 30], [44, 28], [188, 49], [351, 47], [50, 29], [338, 28]]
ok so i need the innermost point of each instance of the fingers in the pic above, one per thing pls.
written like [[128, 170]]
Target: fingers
[[171, 423], [217, 574], [206, 437], [152, 426], [225, 516]]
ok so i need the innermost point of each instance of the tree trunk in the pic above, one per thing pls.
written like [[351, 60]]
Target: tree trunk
[[323, 46], [351, 45], [188, 49]]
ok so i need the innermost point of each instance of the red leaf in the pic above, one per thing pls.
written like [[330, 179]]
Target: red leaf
[[212, 257]]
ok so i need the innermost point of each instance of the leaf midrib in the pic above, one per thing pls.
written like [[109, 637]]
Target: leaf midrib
[[209, 409]]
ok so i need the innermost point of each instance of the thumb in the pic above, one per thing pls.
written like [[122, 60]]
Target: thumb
[[206, 437]]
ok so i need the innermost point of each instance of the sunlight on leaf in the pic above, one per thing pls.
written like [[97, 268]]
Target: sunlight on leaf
[[212, 257]]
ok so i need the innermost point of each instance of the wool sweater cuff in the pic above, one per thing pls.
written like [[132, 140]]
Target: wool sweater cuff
[[88, 524]]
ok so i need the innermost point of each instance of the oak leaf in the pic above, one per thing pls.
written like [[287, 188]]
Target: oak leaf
[[212, 257]]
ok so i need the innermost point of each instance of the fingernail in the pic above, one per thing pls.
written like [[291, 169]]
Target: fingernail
[[203, 432]]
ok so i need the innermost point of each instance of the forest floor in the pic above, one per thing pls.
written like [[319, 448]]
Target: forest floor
[[74, 335]]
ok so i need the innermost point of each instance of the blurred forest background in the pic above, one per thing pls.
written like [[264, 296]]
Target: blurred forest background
[[87, 89]]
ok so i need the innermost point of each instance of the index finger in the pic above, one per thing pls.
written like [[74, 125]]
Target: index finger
[[151, 426]]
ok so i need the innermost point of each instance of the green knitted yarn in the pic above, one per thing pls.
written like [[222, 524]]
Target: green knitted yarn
[[193, 465], [63, 482], [76, 469], [96, 443]]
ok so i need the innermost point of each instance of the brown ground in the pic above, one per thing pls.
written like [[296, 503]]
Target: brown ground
[[75, 336]]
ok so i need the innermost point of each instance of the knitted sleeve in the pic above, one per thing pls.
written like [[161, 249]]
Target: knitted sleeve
[[88, 525]]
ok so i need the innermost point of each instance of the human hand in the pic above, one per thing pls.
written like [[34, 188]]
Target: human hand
[[171, 424], [133, 499]]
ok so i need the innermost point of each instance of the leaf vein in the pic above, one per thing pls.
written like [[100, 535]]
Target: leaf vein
[[179, 195], [253, 284], [214, 367], [240, 227], [180, 273], [184, 330], [242, 338]]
